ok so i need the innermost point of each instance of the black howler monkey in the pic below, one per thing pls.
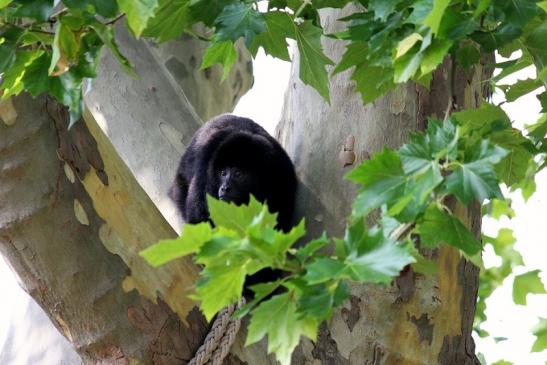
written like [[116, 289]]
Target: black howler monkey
[[229, 158]]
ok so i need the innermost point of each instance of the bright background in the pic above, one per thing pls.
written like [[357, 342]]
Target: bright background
[[263, 104]]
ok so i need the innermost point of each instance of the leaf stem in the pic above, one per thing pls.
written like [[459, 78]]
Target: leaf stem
[[301, 8], [402, 230]]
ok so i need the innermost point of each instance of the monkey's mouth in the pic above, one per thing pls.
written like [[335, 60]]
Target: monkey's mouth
[[237, 200]]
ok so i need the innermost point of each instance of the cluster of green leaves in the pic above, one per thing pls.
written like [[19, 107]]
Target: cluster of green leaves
[[244, 241], [409, 186]]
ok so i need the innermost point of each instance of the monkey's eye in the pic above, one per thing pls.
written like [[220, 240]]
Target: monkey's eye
[[223, 173]]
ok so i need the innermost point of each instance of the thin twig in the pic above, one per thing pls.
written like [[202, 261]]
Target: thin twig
[[400, 231], [110, 22], [450, 105]]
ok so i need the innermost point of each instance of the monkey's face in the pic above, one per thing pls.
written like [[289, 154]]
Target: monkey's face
[[235, 185]]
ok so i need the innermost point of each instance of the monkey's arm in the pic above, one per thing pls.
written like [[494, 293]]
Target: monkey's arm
[[196, 202]]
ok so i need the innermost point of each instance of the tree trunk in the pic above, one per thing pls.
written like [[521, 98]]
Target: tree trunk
[[73, 217], [418, 319]]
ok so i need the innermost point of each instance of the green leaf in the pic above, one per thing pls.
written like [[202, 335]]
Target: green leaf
[[502, 362], [406, 44], [475, 178], [514, 167], [498, 208], [468, 55], [106, 34], [4, 3], [369, 256], [190, 241], [383, 181], [305, 252], [278, 26], [434, 55], [520, 88], [439, 227], [106, 8], [238, 218], [528, 283], [383, 8], [207, 10], [324, 269], [440, 141], [220, 285], [433, 20], [318, 301], [239, 20], [36, 9], [312, 58], [65, 50], [224, 53], [7, 56], [138, 13], [171, 18], [278, 319], [12, 82], [535, 43], [540, 331], [476, 119], [36, 80]]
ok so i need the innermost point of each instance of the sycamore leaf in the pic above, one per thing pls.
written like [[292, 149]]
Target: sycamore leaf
[[278, 26], [475, 119], [36, 9], [312, 58], [382, 8], [433, 20], [171, 18], [438, 142], [318, 301], [190, 241], [383, 181], [138, 13], [12, 82], [528, 283], [369, 256], [277, 318], [223, 53], [238, 218], [439, 227], [221, 284], [239, 20], [540, 331], [476, 178]]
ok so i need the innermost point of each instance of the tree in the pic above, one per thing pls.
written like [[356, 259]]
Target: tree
[[426, 193]]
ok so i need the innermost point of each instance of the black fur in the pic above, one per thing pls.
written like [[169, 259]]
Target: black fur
[[234, 144]]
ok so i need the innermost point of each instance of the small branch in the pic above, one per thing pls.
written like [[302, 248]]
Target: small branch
[[110, 22], [401, 231], [451, 103], [301, 8]]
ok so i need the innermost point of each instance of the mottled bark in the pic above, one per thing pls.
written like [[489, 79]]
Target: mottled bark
[[417, 319], [72, 220]]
